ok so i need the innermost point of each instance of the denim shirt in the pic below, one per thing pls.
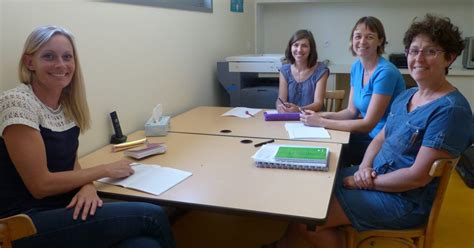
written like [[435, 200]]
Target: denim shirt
[[444, 123]]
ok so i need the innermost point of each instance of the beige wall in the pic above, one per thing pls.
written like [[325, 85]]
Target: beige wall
[[133, 57], [1, 41], [331, 23]]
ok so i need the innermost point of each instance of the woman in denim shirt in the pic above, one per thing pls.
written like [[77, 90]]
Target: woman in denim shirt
[[392, 188]]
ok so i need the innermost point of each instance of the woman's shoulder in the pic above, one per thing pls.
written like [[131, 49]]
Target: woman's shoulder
[[457, 99], [19, 96], [385, 65], [321, 67], [406, 94], [285, 67]]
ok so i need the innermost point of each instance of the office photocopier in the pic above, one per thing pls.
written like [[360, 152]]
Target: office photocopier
[[251, 80]]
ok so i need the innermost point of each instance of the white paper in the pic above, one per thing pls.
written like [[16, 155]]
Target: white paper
[[300, 131], [150, 178], [242, 112], [272, 111]]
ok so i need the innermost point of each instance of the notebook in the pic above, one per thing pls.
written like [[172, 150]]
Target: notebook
[[301, 154], [292, 157], [300, 131], [150, 178]]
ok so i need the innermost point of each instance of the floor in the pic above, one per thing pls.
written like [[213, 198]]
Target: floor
[[203, 229]]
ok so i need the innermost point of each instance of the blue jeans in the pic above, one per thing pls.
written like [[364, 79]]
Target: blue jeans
[[118, 224]]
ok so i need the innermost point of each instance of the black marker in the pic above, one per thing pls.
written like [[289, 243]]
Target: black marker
[[265, 142]]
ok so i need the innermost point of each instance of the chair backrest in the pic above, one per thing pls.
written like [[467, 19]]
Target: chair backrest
[[441, 168], [333, 100], [15, 227]]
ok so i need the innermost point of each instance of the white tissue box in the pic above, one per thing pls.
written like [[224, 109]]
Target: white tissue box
[[159, 128]]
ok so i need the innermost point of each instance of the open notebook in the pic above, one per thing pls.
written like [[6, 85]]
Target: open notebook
[[150, 178], [292, 157]]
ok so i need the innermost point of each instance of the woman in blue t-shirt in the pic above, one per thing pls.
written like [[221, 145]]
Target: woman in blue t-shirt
[[375, 82], [303, 80]]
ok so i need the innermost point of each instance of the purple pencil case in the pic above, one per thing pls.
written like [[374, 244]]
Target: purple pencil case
[[282, 116]]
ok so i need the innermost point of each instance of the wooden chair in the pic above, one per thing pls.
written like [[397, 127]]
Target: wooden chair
[[15, 227], [417, 238], [333, 100]]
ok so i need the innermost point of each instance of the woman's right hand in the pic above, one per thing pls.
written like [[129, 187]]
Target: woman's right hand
[[364, 178], [290, 107], [119, 169]]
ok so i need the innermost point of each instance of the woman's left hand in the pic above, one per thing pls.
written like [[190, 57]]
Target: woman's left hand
[[349, 183], [86, 200]]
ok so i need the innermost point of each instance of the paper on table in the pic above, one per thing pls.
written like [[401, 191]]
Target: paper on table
[[242, 112], [272, 111], [300, 131], [150, 178]]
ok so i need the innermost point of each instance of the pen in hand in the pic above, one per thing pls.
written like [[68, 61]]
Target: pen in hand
[[265, 142], [282, 102], [301, 110]]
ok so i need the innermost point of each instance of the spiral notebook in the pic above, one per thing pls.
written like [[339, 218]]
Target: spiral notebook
[[292, 157]]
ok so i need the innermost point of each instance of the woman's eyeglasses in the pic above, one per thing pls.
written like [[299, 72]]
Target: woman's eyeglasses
[[427, 53]]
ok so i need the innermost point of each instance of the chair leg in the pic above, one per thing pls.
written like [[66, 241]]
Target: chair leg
[[350, 237]]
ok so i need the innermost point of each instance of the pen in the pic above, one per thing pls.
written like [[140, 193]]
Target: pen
[[282, 102], [301, 110], [413, 137], [265, 142], [248, 113]]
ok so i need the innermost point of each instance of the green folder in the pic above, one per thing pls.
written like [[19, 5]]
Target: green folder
[[302, 154]]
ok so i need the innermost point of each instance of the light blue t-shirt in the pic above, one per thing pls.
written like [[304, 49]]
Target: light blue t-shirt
[[302, 93], [386, 80]]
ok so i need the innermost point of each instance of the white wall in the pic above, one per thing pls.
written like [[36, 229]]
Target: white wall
[[332, 23], [133, 57]]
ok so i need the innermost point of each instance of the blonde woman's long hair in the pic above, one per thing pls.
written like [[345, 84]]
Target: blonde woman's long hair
[[73, 97]]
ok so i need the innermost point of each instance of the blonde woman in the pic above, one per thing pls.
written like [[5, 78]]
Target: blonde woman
[[40, 122]]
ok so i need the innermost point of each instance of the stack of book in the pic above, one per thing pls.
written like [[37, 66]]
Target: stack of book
[[292, 157], [145, 150]]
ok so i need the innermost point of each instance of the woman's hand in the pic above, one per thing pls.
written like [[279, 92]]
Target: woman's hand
[[119, 169], [364, 178], [348, 182], [287, 107], [85, 201], [311, 118]]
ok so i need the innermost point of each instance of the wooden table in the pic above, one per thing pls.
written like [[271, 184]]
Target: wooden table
[[225, 178], [209, 120]]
